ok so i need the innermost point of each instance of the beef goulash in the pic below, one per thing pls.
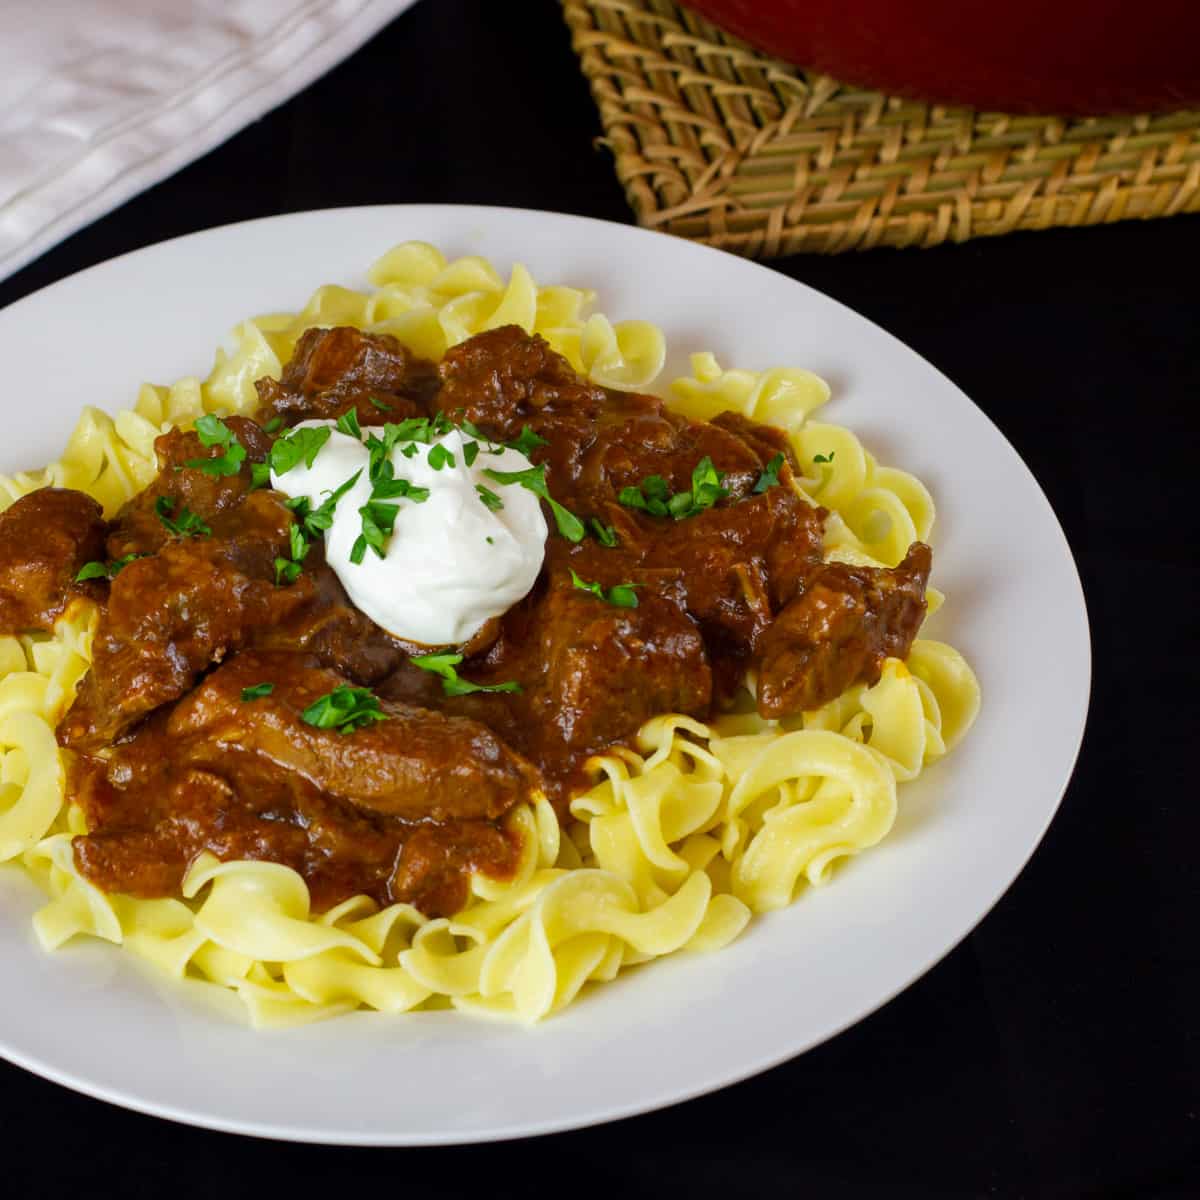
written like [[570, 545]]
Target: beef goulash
[[248, 710]]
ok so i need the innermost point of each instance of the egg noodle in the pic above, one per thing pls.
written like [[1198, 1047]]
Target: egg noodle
[[673, 848]]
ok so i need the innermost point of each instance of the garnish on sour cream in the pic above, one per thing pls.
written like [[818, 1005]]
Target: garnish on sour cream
[[414, 541]]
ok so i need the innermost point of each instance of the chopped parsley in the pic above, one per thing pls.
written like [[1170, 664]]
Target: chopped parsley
[[621, 596], [378, 516], [274, 425], [378, 520], [770, 476], [824, 458], [183, 523], [380, 404], [606, 535], [105, 570], [288, 570], [420, 430], [260, 475], [392, 489], [440, 457], [654, 494], [212, 431], [344, 709], [470, 452], [257, 692], [348, 424], [706, 490], [527, 443], [489, 498], [444, 665], [533, 479], [315, 521], [472, 430], [301, 445], [650, 497]]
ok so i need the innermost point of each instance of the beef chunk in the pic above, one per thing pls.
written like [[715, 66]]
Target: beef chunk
[[172, 615], [45, 537], [600, 441], [138, 529], [739, 563], [327, 626], [606, 670], [636, 437], [503, 378], [167, 794], [838, 630], [335, 370], [766, 440], [416, 764]]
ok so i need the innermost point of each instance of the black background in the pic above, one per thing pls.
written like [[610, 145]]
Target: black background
[[1054, 1053]]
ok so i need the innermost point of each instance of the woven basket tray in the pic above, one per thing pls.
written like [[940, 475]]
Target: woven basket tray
[[717, 142]]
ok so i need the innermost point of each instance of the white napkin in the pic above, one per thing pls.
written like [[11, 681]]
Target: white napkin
[[102, 98]]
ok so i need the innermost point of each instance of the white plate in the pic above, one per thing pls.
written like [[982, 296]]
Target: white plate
[[91, 1018]]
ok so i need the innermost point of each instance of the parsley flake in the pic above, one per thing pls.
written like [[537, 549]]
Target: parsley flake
[[212, 431], [620, 596], [378, 520], [654, 494], [534, 480], [257, 692], [348, 424], [318, 520], [707, 488], [398, 489], [606, 535], [489, 498], [301, 445], [527, 443], [824, 458], [274, 425], [105, 570], [770, 476], [185, 523], [378, 516], [420, 430], [380, 404], [650, 497], [286, 571], [344, 709], [444, 665], [260, 475], [440, 457]]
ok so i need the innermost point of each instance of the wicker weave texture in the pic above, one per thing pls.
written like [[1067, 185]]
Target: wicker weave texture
[[717, 142]]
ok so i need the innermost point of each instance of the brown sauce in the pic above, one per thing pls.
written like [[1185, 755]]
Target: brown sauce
[[173, 761]]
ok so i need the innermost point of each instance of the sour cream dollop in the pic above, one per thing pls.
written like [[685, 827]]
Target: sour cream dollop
[[452, 563]]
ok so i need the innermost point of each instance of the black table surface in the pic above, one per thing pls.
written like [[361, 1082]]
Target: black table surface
[[1054, 1052]]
